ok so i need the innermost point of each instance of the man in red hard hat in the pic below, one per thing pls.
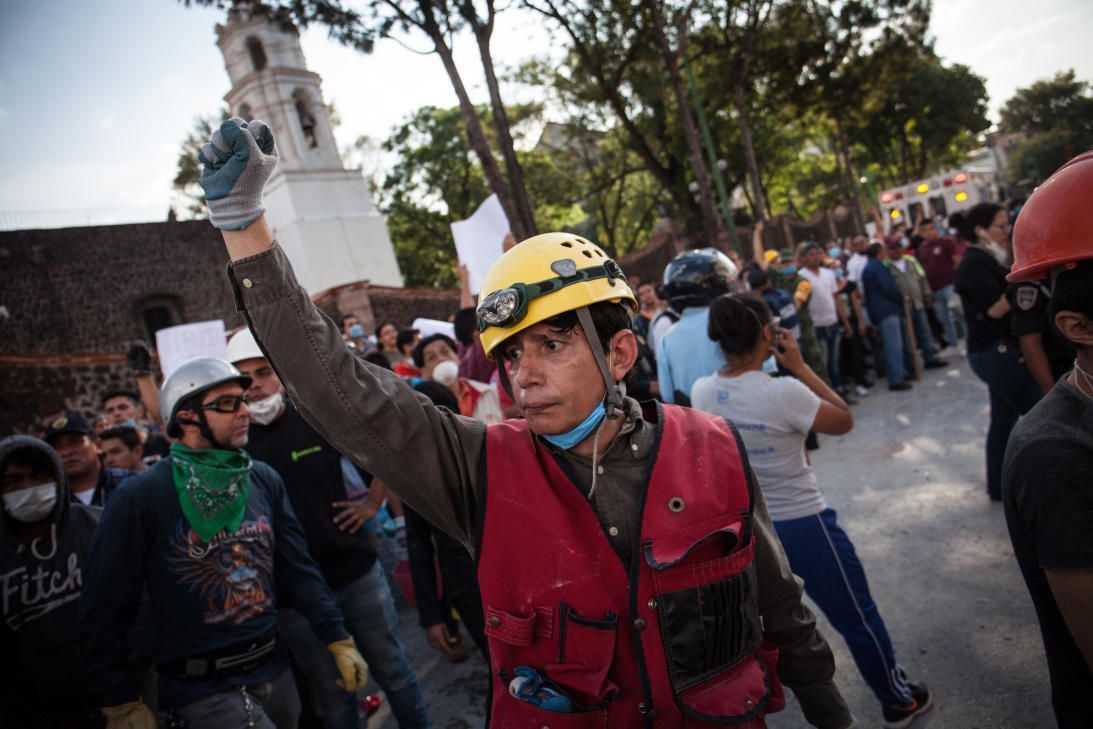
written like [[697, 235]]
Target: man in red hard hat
[[1047, 477]]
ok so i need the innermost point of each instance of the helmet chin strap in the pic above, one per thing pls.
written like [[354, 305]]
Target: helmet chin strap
[[205, 430], [616, 391]]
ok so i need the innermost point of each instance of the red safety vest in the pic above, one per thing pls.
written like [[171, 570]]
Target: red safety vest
[[673, 640]]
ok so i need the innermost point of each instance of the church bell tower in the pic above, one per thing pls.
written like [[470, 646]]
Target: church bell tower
[[321, 213]]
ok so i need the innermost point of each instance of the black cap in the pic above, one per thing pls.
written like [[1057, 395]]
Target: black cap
[[67, 423]]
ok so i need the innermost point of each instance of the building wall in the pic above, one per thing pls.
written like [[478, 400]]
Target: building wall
[[77, 290], [73, 295]]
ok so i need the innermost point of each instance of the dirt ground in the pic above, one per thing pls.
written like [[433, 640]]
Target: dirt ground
[[908, 484]]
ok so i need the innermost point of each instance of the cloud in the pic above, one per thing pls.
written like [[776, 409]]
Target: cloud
[[106, 121], [4, 116]]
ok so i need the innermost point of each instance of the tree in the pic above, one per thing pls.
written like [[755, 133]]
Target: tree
[[1062, 103], [189, 198], [1056, 117], [583, 181]]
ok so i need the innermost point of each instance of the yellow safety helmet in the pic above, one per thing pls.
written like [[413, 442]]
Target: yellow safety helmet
[[542, 277]]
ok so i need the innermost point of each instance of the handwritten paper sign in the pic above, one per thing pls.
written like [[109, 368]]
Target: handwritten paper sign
[[176, 345], [478, 240]]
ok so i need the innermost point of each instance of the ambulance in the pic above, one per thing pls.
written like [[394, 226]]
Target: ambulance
[[940, 195]]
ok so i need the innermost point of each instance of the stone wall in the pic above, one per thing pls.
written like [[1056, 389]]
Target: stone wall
[[38, 388], [82, 289]]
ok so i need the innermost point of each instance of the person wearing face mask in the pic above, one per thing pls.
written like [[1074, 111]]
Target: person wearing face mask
[[209, 535], [993, 354], [44, 544], [354, 334], [332, 524]]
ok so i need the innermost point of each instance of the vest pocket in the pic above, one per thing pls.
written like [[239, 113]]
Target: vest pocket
[[586, 651], [746, 692], [509, 712]]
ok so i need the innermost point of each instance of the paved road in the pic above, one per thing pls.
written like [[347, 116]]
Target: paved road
[[908, 483]]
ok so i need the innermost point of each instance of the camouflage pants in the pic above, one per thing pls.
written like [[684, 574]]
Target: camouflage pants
[[810, 347]]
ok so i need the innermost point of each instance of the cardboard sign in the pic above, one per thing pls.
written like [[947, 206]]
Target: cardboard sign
[[478, 239], [176, 345]]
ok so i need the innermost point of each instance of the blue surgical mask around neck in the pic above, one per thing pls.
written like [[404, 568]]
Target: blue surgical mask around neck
[[567, 440], [356, 331], [770, 365]]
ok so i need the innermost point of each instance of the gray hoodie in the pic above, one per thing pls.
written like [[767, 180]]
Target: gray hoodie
[[40, 586]]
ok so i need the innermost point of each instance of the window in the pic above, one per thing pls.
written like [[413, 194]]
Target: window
[[157, 312], [257, 53]]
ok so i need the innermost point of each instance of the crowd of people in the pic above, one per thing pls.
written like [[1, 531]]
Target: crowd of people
[[229, 548]]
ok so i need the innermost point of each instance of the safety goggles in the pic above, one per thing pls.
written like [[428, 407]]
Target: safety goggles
[[507, 307], [225, 404]]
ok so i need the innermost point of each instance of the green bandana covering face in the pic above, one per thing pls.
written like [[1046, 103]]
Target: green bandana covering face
[[212, 487]]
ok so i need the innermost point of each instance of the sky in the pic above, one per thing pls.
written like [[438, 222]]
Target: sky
[[95, 97]]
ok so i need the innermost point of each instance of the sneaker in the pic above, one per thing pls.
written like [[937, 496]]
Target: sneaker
[[903, 717], [861, 391], [900, 386], [936, 364]]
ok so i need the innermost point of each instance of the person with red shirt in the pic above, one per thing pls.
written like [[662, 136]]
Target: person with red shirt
[[939, 257]]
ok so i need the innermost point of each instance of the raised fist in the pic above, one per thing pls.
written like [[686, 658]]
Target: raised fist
[[237, 161]]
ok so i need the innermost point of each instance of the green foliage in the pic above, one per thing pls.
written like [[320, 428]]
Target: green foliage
[[1056, 114], [1062, 103], [588, 184]]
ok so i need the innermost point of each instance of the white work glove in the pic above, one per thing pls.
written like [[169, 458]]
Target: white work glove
[[237, 161]]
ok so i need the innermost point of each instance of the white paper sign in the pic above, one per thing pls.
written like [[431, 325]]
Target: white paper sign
[[176, 345], [433, 326], [478, 239]]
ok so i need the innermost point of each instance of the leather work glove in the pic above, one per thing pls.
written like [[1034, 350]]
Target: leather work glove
[[350, 665], [134, 715], [237, 161]]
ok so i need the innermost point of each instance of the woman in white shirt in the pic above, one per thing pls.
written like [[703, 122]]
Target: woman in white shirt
[[773, 416]]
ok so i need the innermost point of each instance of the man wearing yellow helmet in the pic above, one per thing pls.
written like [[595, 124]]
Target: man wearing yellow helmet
[[629, 571]]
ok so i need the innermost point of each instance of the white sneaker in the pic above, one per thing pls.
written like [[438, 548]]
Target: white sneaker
[[861, 391]]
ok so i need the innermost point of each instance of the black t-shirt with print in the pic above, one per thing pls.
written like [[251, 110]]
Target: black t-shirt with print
[[312, 471], [1047, 487]]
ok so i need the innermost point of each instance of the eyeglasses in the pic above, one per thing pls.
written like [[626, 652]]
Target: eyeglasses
[[225, 404], [507, 307]]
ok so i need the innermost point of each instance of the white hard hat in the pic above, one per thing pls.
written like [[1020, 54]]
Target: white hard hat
[[190, 378], [242, 346]]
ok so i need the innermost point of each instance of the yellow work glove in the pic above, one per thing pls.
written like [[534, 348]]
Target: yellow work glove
[[134, 715], [350, 665]]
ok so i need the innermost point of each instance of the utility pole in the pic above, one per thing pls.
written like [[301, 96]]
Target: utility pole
[[718, 179]]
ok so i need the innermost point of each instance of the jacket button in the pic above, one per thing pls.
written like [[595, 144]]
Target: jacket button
[[749, 705], [652, 603], [495, 621], [248, 283], [639, 624]]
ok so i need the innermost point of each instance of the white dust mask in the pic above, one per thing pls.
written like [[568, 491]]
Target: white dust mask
[[446, 372], [265, 411], [33, 504]]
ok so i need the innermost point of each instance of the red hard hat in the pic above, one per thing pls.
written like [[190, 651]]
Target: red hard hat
[[1055, 226]]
